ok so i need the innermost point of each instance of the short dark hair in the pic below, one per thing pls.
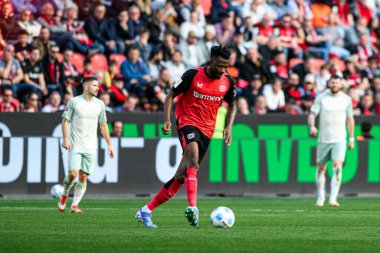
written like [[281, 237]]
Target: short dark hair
[[88, 79], [115, 121], [220, 51], [30, 94], [366, 127], [335, 76]]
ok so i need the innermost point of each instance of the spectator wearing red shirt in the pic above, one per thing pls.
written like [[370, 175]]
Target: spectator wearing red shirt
[[351, 91], [363, 10], [279, 67], [8, 103], [264, 30], [66, 68], [343, 10], [87, 68], [290, 36], [365, 49], [50, 67], [351, 74], [291, 88], [118, 93]]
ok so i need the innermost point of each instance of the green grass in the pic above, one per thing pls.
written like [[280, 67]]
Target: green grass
[[262, 225]]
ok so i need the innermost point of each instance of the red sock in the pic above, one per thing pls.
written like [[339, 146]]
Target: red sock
[[191, 185], [166, 192]]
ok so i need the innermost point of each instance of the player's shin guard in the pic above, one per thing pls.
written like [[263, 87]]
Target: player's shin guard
[[335, 184], [191, 185], [79, 190], [167, 191], [67, 185], [320, 180]]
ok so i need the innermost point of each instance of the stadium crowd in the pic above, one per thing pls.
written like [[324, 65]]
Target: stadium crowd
[[283, 51]]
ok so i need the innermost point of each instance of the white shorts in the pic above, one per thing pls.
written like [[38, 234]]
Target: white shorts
[[82, 161], [331, 151]]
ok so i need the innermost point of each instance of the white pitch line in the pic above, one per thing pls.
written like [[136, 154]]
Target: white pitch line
[[49, 208]]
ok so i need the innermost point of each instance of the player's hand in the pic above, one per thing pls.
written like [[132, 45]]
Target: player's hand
[[227, 136], [66, 144], [166, 128], [351, 145], [110, 151], [313, 131]]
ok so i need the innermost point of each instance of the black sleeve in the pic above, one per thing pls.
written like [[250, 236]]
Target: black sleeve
[[184, 83], [231, 93]]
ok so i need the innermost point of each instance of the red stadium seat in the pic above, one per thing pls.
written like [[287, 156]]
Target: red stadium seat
[[99, 62], [119, 58], [60, 57], [294, 61], [78, 61]]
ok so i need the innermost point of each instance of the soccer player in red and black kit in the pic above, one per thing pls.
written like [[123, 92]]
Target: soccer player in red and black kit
[[199, 93]]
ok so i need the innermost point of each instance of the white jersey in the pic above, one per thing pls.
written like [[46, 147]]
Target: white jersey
[[333, 112], [84, 116]]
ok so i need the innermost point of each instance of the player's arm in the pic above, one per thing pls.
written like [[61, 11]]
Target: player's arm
[[350, 125], [179, 87], [106, 135], [311, 122], [65, 133], [230, 98]]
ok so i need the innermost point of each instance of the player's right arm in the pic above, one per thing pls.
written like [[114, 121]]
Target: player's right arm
[[179, 87], [314, 111]]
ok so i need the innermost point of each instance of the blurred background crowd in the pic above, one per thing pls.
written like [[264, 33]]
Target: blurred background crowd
[[283, 51]]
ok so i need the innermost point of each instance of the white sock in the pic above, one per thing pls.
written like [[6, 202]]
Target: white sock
[[320, 180], [146, 209], [67, 186], [335, 184], [79, 191]]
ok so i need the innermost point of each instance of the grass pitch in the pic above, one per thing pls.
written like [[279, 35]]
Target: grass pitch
[[262, 225]]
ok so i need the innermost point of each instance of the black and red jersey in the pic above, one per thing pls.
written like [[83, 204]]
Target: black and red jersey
[[200, 97]]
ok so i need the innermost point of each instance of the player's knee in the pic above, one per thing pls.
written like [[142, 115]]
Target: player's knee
[[337, 164], [72, 175], [321, 168], [83, 177]]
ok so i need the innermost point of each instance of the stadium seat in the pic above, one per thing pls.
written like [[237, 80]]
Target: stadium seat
[[60, 57], [206, 6], [119, 58], [294, 61], [99, 62], [78, 61]]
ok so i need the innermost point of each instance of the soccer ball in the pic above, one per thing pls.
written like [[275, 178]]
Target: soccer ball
[[56, 191], [222, 217]]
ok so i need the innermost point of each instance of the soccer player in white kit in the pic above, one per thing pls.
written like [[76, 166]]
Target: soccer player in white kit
[[84, 113], [335, 111]]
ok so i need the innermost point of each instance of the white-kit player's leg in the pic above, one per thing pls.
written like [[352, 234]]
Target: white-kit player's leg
[[68, 183], [79, 190], [320, 179], [336, 181]]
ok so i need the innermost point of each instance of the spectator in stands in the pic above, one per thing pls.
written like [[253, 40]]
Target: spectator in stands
[[87, 71], [26, 22], [321, 11], [352, 35], [118, 93], [239, 46], [32, 104], [375, 85], [135, 72], [351, 92], [232, 70], [225, 29], [343, 10], [86, 7], [291, 36], [372, 70], [8, 22], [352, 73], [65, 101], [209, 39], [105, 97], [366, 105], [122, 29], [270, 49], [301, 9], [50, 67], [308, 88], [306, 103], [49, 20], [97, 30], [43, 41], [193, 55], [155, 63], [365, 50], [169, 46], [242, 106], [253, 90], [62, 5], [53, 105], [280, 7], [110, 73], [248, 30], [176, 66], [131, 105], [274, 96], [156, 91], [363, 10], [305, 68], [193, 6], [137, 21], [260, 106], [10, 69], [8, 103], [366, 128], [219, 9], [315, 42], [279, 66], [322, 78], [20, 5], [22, 47], [117, 128], [265, 30], [193, 24], [253, 65], [377, 102], [255, 11], [291, 88], [157, 27], [66, 68], [143, 44], [34, 80]]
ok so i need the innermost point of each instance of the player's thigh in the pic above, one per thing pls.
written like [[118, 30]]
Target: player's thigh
[[323, 153], [75, 161], [338, 153], [88, 163]]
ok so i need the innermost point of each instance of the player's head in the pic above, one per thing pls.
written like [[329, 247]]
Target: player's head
[[90, 85], [218, 62], [117, 128], [366, 127], [335, 84]]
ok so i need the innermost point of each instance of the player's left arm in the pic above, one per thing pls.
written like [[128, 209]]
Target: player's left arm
[[350, 125], [106, 134], [230, 98]]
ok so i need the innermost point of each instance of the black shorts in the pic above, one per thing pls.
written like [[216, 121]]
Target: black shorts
[[189, 134]]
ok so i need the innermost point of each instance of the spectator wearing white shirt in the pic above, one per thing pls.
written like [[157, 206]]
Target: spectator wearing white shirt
[[55, 102], [176, 66], [192, 25], [274, 96]]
